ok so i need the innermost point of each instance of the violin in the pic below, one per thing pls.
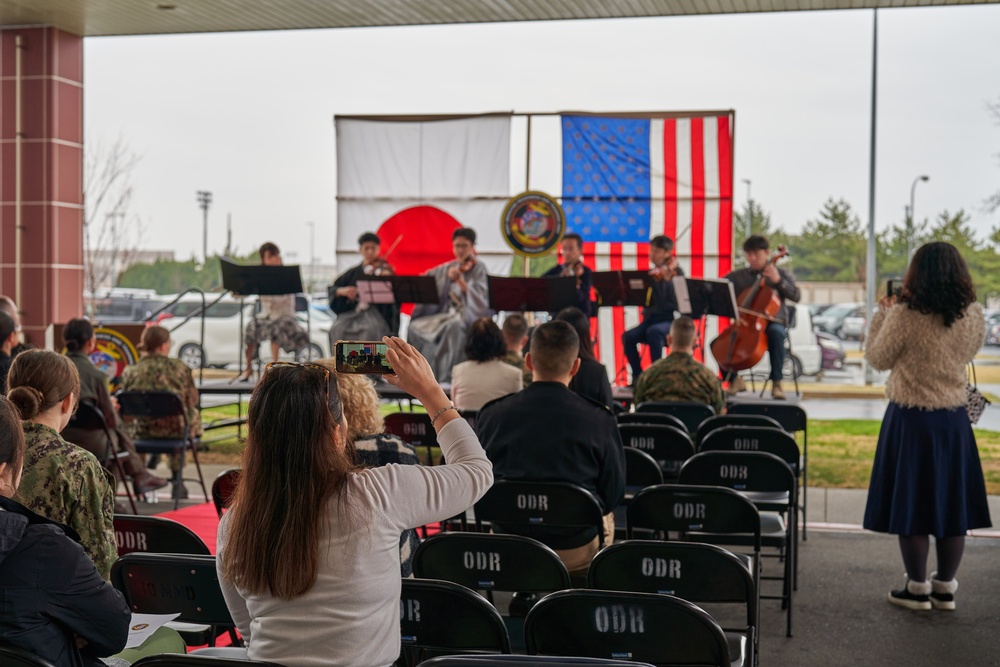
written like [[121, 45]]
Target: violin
[[379, 267], [574, 269], [467, 264], [744, 342], [665, 271]]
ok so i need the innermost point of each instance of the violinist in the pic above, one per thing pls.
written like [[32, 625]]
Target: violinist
[[438, 330], [657, 316], [572, 254], [756, 250], [344, 292]]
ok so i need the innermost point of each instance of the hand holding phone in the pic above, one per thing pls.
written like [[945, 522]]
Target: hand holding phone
[[366, 357]]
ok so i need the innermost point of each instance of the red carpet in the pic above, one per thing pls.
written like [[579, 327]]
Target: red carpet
[[201, 519]]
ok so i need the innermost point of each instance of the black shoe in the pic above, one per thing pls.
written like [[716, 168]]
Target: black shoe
[[907, 598], [147, 483], [943, 593]]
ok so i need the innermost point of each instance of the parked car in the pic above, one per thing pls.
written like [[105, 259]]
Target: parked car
[[806, 356], [853, 326], [222, 345], [993, 329], [832, 319], [121, 305], [817, 308], [832, 351]]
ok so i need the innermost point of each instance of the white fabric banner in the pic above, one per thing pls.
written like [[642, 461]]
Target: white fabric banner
[[386, 168]]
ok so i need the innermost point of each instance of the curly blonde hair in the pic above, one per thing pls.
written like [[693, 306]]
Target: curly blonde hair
[[361, 402]]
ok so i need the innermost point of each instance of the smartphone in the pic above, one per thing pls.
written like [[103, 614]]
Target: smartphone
[[893, 289], [365, 357]]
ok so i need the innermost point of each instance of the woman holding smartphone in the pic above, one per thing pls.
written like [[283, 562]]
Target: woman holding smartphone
[[927, 478], [312, 576]]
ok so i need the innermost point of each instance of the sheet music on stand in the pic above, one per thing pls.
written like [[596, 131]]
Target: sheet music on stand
[[698, 297], [375, 292], [621, 288], [401, 289]]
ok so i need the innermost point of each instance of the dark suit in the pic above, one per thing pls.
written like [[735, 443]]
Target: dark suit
[[547, 433]]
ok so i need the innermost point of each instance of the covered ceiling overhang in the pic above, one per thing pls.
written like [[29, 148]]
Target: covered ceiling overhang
[[91, 18]]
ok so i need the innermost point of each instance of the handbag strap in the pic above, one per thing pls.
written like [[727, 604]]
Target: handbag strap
[[972, 365]]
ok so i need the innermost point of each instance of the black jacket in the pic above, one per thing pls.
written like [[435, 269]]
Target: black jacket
[[591, 381], [546, 433], [51, 592], [786, 290]]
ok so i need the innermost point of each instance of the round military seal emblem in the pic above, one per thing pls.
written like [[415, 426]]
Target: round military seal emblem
[[114, 352], [532, 224]]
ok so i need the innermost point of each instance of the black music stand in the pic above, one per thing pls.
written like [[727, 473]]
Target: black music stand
[[621, 288], [257, 279], [397, 289], [700, 297], [532, 294]]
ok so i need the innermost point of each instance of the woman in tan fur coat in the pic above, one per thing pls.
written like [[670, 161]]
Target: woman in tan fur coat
[[927, 478]]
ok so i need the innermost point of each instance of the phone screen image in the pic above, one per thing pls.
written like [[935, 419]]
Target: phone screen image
[[362, 357]]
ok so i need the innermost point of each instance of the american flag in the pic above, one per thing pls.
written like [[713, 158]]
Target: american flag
[[626, 180]]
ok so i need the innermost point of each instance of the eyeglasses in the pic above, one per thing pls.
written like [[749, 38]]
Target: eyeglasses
[[326, 372]]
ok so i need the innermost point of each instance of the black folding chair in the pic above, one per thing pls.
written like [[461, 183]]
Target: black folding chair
[[793, 419], [487, 562], [718, 421], [670, 446], [150, 581], [689, 412], [699, 573], [659, 629], [159, 405], [88, 417], [442, 618], [414, 428], [153, 534], [12, 656], [660, 418], [223, 488], [641, 470], [189, 660], [770, 484]]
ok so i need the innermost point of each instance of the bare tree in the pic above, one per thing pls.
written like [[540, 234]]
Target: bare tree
[[111, 233], [992, 202]]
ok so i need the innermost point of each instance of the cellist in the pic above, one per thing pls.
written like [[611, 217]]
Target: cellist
[[756, 251]]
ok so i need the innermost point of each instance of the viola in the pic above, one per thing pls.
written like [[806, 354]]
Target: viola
[[743, 343], [665, 271]]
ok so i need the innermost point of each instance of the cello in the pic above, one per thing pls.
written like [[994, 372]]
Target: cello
[[743, 343]]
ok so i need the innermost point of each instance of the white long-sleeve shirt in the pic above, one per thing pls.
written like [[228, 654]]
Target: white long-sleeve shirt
[[350, 616]]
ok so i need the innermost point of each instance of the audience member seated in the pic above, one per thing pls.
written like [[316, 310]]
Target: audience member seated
[[8, 306], [61, 481], [591, 381], [515, 337], [485, 375], [372, 445], [158, 372], [78, 337], [55, 604], [309, 550], [679, 376], [8, 339], [547, 433]]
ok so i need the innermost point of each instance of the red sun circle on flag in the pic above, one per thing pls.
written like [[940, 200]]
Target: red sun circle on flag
[[416, 239]]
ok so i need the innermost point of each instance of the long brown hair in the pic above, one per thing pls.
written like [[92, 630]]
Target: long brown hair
[[293, 464], [39, 379]]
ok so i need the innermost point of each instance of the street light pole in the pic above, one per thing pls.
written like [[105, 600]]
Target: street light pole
[[204, 201], [312, 255], [910, 218]]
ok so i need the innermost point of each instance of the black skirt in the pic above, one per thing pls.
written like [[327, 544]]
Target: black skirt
[[927, 478]]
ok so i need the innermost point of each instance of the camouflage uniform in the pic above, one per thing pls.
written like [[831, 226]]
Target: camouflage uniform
[[680, 377], [66, 483], [516, 360], [156, 372]]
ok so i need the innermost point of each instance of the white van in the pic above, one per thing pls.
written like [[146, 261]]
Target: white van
[[806, 357]]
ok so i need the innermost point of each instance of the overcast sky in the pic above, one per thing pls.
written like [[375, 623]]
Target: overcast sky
[[248, 116]]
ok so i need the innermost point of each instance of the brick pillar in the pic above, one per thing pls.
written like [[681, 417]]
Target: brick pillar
[[51, 175]]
